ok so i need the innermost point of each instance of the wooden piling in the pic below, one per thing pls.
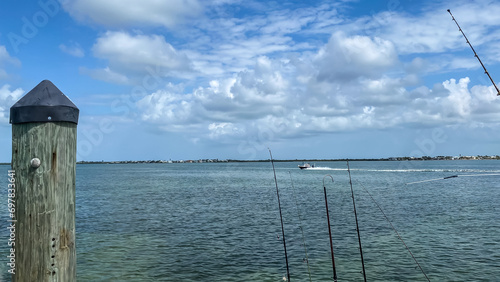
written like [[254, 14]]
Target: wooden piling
[[44, 124]]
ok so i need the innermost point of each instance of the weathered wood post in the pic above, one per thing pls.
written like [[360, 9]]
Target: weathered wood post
[[44, 163]]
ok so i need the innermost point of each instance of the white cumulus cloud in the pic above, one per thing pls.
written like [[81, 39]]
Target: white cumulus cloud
[[345, 58], [7, 99], [137, 55], [300, 73], [73, 49], [6, 59], [459, 100], [223, 129], [105, 74], [270, 100], [134, 13]]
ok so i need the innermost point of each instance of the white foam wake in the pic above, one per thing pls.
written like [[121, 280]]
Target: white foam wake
[[322, 168]]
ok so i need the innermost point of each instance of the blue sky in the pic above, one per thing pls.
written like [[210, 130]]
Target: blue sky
[[190, 79]]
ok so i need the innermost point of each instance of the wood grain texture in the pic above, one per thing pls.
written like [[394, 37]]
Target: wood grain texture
[[45, 197]]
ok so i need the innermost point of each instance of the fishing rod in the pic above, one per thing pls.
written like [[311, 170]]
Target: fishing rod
[[281, 217], [452, 176], [395, 231], [475, 54], [329, 229], [357, 227], [301, 229]]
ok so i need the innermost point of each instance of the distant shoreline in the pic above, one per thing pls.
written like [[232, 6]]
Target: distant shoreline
[[425, 158]]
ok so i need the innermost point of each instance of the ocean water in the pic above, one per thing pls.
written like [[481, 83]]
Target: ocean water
[[220, 221]]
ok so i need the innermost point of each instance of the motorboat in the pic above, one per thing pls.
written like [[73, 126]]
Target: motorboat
[[305, 166]]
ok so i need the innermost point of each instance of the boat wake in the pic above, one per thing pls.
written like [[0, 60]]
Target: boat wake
[[322, 168], [409, 170], [431, 170]]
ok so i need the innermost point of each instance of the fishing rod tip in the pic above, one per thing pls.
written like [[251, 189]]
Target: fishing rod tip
[[328, 175]]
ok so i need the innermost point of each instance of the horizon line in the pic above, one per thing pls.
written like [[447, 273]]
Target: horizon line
[[217, 160]]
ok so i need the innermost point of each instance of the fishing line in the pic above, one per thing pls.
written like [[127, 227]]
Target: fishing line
[[357, 227], [393, 228], [452, 176], [300, 226], [281, 217]]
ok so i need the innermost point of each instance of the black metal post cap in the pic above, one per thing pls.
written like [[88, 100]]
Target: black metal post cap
[[44, 103]]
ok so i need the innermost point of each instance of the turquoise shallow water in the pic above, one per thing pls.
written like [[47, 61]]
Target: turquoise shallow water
[[220, 221]]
